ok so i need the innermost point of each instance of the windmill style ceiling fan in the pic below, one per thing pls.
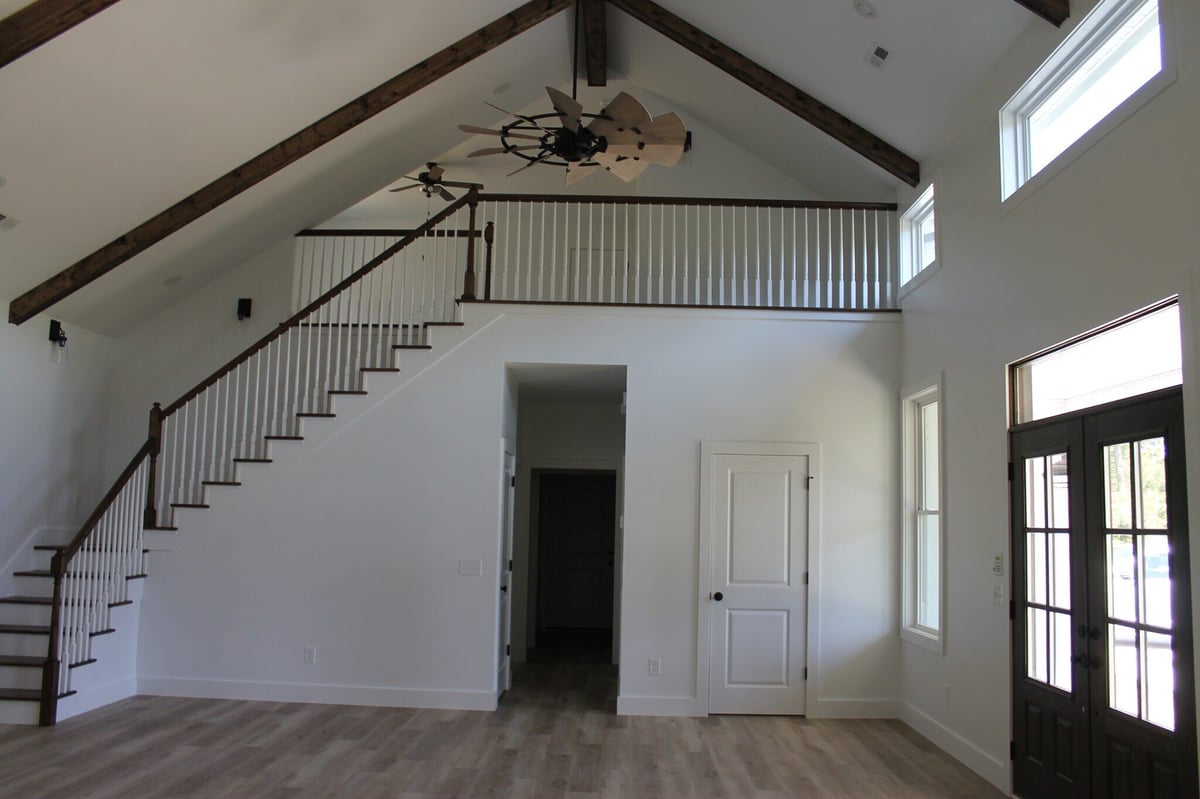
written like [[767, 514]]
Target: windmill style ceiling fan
[[622, 139], [430, 182]]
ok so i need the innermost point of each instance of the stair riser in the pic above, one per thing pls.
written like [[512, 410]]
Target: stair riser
[[25, 645], [24, 614], [44, 586], [19, 712], [14, 677]]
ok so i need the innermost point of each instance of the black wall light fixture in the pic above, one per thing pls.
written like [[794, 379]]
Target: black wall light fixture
[[57, 334], [243, 309]]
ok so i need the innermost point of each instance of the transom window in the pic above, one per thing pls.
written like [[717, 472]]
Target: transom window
[[918, 237]]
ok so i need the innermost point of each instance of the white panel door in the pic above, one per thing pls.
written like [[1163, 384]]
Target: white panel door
[[758, 603]]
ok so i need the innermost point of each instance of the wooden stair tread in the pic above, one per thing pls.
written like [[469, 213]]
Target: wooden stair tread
[[253, 460], [20, 695], [24, 629], [49, 548], [444, 324], [34, 573], [158, 529], [49, 574], [316, 415], [87, 662], [26, 600], [102, 632], [219, 483], [412, 347], [188, 505], [284, 438], [22, 661], [347, 391], [379, 369]]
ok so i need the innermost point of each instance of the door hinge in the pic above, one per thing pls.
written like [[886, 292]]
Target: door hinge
[[1010, 471], [1012, 610], [508, 649], [806, 672], [806, 578], [1012, 750], [512, 481], [510, 564]]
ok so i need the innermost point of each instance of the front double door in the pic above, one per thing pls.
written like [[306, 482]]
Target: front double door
[[1103, 693]]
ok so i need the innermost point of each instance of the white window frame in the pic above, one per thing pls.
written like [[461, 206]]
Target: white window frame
[[912, 272], [1017, 180], [913, 399]]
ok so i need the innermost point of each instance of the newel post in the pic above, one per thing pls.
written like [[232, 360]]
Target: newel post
[[150, 516], [51, 669], [489, 235], [469, 278]]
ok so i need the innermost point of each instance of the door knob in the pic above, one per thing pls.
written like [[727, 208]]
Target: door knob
[[718, 596], [504, 589]]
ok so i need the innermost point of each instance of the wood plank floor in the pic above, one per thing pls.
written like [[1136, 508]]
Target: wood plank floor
[[554, 735]]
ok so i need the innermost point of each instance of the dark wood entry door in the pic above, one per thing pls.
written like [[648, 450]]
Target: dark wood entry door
[[576, 541], [1103, 697]]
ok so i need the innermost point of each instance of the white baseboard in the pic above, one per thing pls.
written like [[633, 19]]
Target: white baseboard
[[317, 693], [97, 697], [853, 709], [992, 769], [659, 706]]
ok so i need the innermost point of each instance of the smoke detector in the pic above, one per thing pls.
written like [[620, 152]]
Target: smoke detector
[[877, 56], [864, 9]]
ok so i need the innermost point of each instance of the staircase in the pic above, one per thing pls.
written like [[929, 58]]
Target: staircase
[[52, 630]]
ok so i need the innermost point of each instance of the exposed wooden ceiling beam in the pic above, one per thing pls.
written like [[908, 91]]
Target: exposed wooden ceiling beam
[[595, 38], [40, 21], [1053, 11], [774, 88], [287, 152]]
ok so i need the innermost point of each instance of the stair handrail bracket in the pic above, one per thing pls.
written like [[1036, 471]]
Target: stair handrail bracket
[[354, 321]]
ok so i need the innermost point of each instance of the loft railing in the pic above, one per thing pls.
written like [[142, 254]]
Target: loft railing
[[349, 326], [656, 251]]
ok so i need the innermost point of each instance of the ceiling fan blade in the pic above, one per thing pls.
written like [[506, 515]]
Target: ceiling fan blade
[[501, 150], [625, 111], [406, 188], [664, 140], [522, 117], [531, 163], [626, 169], [489, 131], [570, 109], [576, 172], [461, 184], [447, 196]]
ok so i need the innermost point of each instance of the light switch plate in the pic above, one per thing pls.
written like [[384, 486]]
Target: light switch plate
[[470, 568]]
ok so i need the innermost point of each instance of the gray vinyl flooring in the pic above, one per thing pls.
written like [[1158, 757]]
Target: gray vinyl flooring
[[555, 735]]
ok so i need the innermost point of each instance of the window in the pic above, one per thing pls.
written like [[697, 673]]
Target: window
[[1130, 356], [1114, 52], [918, 238], [924, 529]]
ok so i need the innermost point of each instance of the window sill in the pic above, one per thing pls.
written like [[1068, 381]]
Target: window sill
[[917, 280], [923, 639]]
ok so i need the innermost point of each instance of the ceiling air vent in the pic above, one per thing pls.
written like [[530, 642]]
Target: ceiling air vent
[[877, 56]]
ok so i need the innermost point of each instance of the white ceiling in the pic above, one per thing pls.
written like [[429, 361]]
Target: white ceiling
[[148, 101]]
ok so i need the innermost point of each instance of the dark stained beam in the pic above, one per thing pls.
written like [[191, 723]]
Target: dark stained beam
[[595, 40], [287, 152], [774, 88], [1053, 11], [40, 21]]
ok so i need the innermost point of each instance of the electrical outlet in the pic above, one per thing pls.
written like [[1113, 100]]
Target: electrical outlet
[[470, 568], [310, 654], [654, 667]]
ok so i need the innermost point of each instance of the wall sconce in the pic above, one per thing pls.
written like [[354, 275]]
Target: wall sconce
[[58, 341], [243, 311]]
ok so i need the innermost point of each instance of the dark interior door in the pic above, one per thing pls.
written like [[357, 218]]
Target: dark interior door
[[576, 538], [1103, 699]]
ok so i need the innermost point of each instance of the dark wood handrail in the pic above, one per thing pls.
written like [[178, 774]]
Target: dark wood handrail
[[458, 233], [350, 280], [700, 201], [109, 498]]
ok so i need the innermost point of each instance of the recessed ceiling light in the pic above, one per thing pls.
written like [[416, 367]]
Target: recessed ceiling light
[[502, 88], [864, 8], [173, 280]]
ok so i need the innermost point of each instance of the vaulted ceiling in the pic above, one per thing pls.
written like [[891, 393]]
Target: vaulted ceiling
[[145, 102]]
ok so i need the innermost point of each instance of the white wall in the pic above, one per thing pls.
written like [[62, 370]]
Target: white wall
[[52, 439], [556, 435], [1113, 231], [353, 544]]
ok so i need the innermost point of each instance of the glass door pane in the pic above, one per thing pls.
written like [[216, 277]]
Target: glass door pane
[[1048, 571]]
